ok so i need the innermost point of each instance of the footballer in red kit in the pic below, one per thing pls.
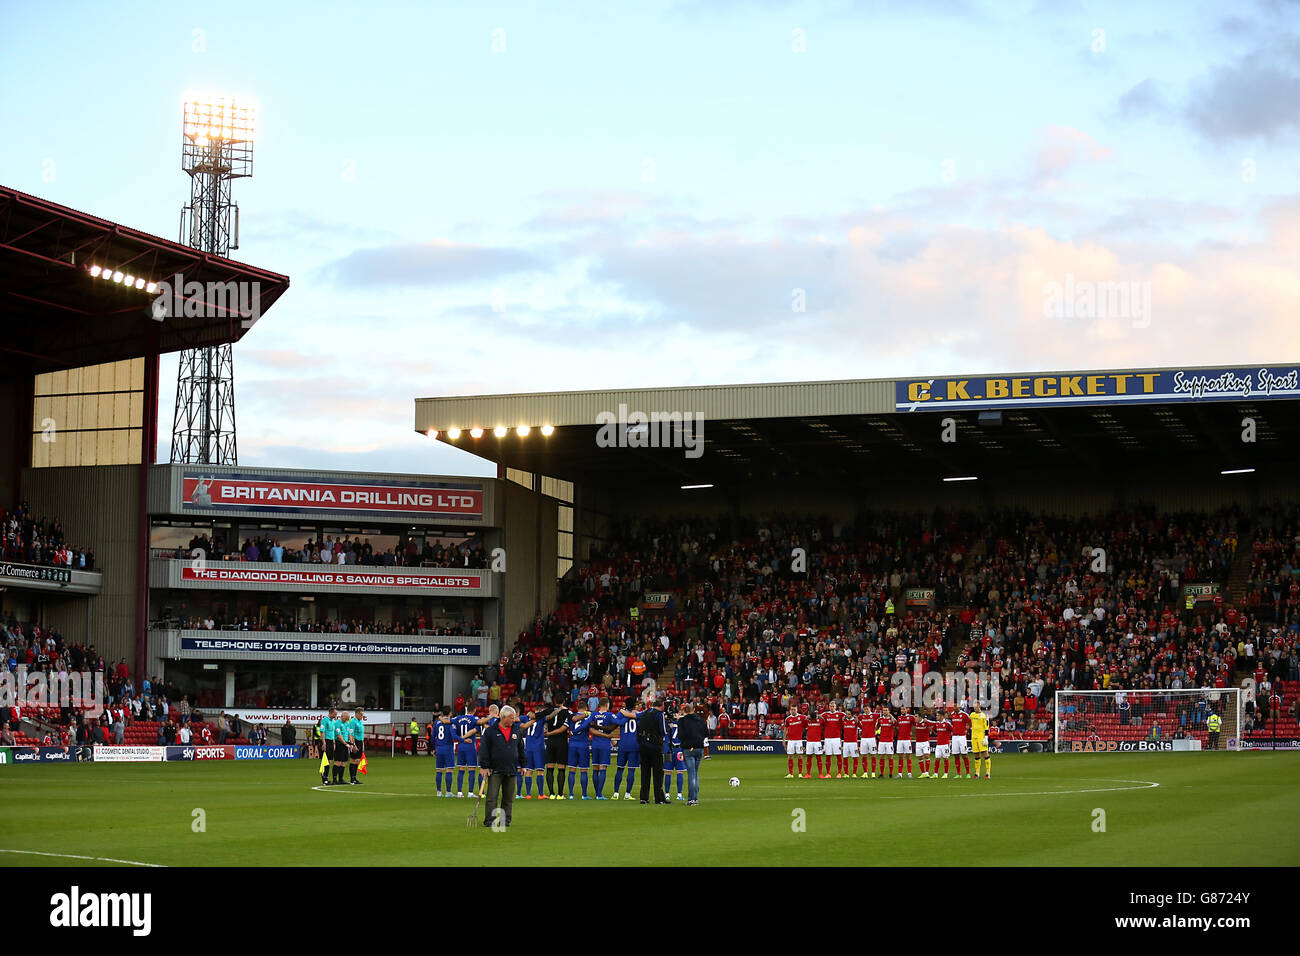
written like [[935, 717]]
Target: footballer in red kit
[[813, 729], [943, 743], [885, 731], [867, 733], [903, 730], [961, 739], [833, 734], [851, 734], [795, 723], [923, 727]]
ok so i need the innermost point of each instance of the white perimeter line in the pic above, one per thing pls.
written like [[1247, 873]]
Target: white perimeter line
[[1144, 785], [336, 788], [73, 856]]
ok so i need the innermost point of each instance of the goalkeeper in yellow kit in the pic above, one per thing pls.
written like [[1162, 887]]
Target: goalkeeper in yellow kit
[[979, 740]]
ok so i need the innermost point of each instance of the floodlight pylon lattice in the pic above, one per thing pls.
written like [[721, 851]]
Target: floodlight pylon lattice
[[216, 149]]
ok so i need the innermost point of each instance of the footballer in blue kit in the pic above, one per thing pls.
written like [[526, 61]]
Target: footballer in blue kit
[[674, 760], [579, 749], [601, 726], [629, 750], [444, 749], [534, 755], [464, 729]]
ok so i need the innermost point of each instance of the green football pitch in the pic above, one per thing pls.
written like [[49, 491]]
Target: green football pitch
[[1039, 809]]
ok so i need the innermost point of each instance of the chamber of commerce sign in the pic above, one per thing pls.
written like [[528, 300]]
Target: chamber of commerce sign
[[34, 572], [300, 575], [251, 492], [1097, 388]]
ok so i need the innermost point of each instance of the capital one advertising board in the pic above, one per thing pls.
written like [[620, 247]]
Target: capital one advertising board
[[248, 491]]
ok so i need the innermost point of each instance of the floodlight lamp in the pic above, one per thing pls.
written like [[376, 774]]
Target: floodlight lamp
[[548, 430], [476, 432], [500, 431], [523, 430], [453, 433]]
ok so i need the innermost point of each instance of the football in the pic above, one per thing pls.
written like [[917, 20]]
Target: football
[[734, 781]]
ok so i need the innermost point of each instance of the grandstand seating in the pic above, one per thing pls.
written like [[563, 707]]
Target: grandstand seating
[[1024, 581]]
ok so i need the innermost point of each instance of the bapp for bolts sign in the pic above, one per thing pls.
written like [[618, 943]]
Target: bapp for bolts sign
[[252, 492]]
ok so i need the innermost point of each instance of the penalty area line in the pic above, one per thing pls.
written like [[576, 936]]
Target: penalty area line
[[75, 856]]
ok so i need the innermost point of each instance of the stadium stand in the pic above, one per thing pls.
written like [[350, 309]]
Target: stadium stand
[[337, 551], [1015, 595], [30, 539]]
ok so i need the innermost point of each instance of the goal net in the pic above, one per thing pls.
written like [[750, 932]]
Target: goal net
[[1143, 721]]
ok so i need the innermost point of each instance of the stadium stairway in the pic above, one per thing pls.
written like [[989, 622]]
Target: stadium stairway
[[1239, 573]]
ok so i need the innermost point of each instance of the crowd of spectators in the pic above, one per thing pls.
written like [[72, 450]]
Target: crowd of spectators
[[1040, 603], [338, 551], [274, 620], [1274, 585], [46, 655], [30, 539]]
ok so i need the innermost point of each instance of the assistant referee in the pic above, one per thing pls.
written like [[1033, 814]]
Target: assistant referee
[[328, 729]]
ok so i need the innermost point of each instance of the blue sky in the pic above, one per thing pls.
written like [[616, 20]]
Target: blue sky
[[475, 198]]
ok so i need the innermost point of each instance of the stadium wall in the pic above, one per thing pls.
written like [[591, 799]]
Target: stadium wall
[[15, 436], [98, 506], [531, 523]]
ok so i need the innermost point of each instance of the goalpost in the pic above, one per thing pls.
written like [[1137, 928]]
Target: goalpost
[[1145, 721]]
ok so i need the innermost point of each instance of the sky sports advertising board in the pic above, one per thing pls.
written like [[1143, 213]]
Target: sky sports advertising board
[[1097, 388], [257, 492]]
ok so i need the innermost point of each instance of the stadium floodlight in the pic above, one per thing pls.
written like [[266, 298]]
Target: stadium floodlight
[[692, 487], [453, 433], [431, 433], [548, 430], [117, 277], [94, 272], [964, 478], [216, 149], [523, 431], [213, 118], [476, 432], [500, 431], [1237, 471]]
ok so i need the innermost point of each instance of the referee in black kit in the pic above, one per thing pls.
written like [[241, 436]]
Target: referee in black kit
[[650, 735]]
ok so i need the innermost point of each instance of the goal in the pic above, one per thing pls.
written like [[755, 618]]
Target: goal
[[1145, 721]]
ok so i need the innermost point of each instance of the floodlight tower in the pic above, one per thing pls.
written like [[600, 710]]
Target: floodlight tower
[[216, 148]]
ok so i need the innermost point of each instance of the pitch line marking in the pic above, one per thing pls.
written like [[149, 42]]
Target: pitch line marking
[[384, 793], [74, 856], [1144, 785]]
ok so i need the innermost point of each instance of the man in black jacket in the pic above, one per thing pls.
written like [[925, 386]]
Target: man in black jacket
[[501, 754], [650, 735], [692, 731]]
